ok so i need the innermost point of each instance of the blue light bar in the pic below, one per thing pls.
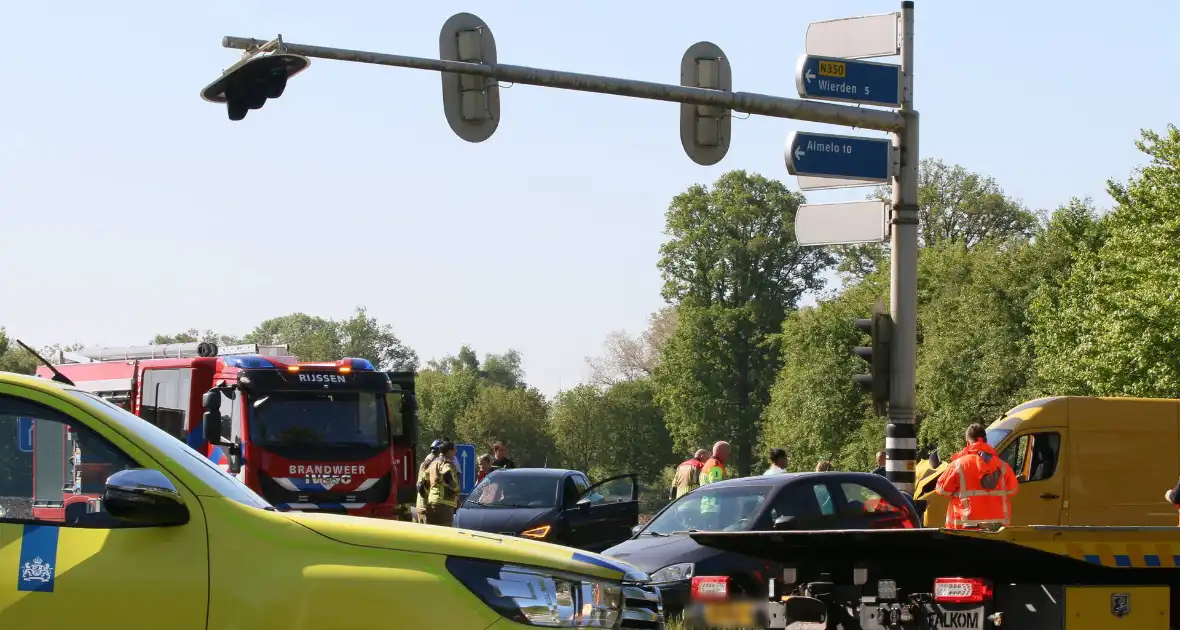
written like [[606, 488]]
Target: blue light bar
[[248, 362], [361, 365]]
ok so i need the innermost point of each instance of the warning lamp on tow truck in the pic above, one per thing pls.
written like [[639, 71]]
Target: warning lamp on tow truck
[[960, 590]]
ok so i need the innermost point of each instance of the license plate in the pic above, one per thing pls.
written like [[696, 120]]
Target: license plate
[[961, 617], [729, 614]]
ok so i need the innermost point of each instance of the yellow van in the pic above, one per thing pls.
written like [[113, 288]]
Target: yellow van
[[1081, 461], [171, 541]]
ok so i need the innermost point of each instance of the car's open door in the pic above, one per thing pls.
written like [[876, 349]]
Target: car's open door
[[604, 513]]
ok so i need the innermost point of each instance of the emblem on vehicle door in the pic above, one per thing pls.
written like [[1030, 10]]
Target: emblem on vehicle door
[[1120, 604]]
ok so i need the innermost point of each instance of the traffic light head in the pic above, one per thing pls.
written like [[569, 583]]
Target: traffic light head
[[249, 83], [880, 330]]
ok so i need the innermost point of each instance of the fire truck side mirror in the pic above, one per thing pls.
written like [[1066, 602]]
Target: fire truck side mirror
[[211, 420]]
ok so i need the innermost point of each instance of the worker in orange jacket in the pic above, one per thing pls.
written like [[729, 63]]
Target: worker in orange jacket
[[979, 484]]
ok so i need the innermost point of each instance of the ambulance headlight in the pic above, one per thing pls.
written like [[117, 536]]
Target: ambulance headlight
[[541, 597]]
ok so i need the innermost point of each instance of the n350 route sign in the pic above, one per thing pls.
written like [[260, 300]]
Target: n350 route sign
[[845, 157], [863, 82]]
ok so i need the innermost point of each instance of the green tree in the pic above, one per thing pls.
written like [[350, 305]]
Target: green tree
[[14, 358], [955, 206], [733, 269], [193, 335], [518, 416], [314, 338], [816, 410], [1113, 328], [578, 421]]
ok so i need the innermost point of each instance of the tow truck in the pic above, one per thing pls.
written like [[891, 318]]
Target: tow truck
[[1017, 578], [333, 436]]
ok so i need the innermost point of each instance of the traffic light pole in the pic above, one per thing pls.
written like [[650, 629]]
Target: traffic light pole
[[901, 443], [703, 142], [749, 102]]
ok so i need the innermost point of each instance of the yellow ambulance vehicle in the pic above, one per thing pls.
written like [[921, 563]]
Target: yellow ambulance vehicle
[[174, 543]]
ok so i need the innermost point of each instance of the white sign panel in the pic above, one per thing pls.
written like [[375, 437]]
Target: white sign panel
[[842, 223], [806, 182], [856, 37]]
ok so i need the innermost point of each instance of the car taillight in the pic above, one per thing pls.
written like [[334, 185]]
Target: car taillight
[[710, 587], [959, 590]]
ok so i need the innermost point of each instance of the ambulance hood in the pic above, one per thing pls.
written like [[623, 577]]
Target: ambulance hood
[[448, 541]]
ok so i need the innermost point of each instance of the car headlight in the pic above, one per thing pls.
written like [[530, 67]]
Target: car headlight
[[673, 573], [540, 597]]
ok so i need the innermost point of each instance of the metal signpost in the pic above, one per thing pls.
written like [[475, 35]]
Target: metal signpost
[[465, 453], [24, 434], [470, 72]]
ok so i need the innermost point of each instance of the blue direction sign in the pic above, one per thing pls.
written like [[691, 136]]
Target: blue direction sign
[[846, 157], [24, 438], [834, 79], [465, 453]]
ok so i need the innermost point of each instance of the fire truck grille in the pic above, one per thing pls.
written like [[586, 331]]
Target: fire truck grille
[[643, 607], [277, 494]]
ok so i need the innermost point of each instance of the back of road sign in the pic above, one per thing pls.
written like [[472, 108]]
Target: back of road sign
[[841, 223], [856, 37]]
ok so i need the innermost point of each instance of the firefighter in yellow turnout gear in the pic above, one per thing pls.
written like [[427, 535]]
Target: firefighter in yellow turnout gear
[[442, 488], [423, 469]]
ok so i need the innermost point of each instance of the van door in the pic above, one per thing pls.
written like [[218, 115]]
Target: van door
[[1038, 459], [81, 566]]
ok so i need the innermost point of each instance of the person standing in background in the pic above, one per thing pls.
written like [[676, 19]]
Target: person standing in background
[[420, 507], [880, 469], [484, 466], [688, 475], [442, 488], [500, 458], [778, 462]]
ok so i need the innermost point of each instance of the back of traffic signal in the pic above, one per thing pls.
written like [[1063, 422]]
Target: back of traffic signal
[[249, 83]]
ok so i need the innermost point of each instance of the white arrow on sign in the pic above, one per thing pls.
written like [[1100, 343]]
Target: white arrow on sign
[[808, 75], [844, 223], [799, 153]]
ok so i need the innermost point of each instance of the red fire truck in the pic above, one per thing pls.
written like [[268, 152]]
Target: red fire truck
[[334, 436]]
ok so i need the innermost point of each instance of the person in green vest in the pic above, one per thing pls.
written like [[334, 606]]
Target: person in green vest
[[442, 493]]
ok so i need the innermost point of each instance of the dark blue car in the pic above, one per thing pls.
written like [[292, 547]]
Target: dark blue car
[[554, 505], [792, 501]]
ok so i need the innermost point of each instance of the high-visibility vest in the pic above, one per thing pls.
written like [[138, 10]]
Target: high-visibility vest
[[441, 492], [712, 472], [980, 486]]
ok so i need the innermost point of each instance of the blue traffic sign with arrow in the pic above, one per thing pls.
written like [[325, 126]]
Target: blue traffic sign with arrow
[[24, 435], [834, 79], [849, 157], [465, 453]]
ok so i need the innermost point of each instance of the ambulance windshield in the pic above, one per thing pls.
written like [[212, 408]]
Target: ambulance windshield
[[337, 420]]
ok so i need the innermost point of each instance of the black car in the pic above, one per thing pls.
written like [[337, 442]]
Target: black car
[[553, 505], [791, 501]]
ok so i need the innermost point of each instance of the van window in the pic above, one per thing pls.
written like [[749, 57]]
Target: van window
[[1033, 457]]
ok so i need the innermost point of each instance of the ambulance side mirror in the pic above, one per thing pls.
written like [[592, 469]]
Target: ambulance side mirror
[[211, 419]]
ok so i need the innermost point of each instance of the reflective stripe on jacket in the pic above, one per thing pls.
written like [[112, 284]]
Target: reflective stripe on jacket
[[712, 472], [444, 484], [980, 486]]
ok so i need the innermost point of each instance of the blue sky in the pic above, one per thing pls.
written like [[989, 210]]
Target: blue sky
[[132, 207]]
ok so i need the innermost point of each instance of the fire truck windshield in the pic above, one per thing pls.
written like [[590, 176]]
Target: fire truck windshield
[[345, 420]]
